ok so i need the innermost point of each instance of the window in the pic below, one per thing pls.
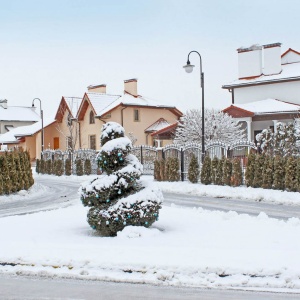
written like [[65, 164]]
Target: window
[[136, 116], [92, 142], [92, 117]]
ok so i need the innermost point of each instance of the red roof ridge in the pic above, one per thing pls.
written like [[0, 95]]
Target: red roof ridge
[[238, 108]]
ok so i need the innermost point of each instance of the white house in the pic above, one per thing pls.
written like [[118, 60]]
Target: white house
[[16, 116], [268, 87]]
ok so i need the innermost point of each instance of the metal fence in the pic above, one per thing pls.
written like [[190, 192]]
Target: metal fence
[[147, 155]]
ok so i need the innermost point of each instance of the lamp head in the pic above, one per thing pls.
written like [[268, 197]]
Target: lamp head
[[188, 67]]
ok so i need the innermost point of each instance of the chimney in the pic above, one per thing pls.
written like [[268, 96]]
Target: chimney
[[101, 88], [3, 103], [250, 61], [272, 59], [130, 87]]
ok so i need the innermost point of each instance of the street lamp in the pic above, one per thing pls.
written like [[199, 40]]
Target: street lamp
[[189, 69], [42, 118]]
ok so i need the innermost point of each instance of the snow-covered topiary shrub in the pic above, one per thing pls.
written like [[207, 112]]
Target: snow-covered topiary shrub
[[119, 198]]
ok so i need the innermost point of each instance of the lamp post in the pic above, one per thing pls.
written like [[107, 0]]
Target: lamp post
[[42, 118], [189, 69]]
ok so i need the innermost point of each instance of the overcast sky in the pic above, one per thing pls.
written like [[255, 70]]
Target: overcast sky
[[56, 48]]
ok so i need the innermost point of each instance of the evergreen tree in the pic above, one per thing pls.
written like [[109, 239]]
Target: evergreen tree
[[172, 169], [37, 166], [237, 172], [298, 174], [119, 199], [7, 185], [79, 167], [227, 171], [205, 171], [268, 171], [157, 170], [42, 166], [250, 167], [258, 170], [279, 173], [19, 171], [58, 167], [49, 166], [163, 170], [1, 179], [87, 167], [68, 169], [193, 172], [13, 175], [290, 174], [28, 169], [214, 168], [219, 175]]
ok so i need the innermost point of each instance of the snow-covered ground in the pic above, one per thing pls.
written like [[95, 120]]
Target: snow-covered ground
[[186, 246]]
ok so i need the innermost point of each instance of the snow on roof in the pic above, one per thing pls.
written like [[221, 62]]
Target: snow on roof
[[289, 72], [18, 113], [158, 125], [13, 135], [269, 106], [73, 104], [103, 103]]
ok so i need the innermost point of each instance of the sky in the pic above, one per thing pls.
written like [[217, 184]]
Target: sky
[[51, 49]]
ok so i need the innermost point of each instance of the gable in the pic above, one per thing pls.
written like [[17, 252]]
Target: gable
[[290, 56]]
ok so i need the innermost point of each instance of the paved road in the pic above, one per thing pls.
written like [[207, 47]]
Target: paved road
[[63, 192], [27, 288]]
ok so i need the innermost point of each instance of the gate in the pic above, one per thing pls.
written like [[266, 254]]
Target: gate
[[146, 155]]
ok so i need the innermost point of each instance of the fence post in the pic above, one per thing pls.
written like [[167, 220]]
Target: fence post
[[182, 163], [142, 162]]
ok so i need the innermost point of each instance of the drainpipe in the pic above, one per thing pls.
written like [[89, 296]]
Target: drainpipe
[[122, 119], [232, 95], [147, 138]]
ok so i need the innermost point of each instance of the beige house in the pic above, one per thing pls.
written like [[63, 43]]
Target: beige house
[[139, 115]]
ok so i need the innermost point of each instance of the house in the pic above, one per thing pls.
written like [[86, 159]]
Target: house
[[16, 116], [29, 137], [140, 116], [268, 88]]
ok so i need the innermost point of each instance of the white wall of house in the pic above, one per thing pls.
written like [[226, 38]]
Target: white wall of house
[[284, 91]]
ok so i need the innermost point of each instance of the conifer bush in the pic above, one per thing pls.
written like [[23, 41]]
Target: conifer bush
[[118, 198], [290, 174], [298, 174], [1, 180], [157, 170], [58, 167], [42, 166], [162, 170], [227, 171], [172, 169], [279, 173], [268, 171], [49, 166], [258, 170], [193, 171], [79, 167], [13, 175], [205, 171], [37, 165], [214, 168], [237, 172], [28, 169], [250, 168], [87, 167], [68, 167], [219, 174]]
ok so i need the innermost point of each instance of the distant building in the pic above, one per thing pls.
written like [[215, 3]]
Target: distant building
[[16, 116], [268, 88]]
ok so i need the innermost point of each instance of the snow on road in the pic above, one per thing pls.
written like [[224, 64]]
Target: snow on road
[[186, 246]]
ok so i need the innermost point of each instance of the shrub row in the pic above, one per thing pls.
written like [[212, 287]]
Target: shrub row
[[273, 172], [15, 172], [167, 170], [59, 167]]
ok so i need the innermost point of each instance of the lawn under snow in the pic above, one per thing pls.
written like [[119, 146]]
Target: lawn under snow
[[185, 247]]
